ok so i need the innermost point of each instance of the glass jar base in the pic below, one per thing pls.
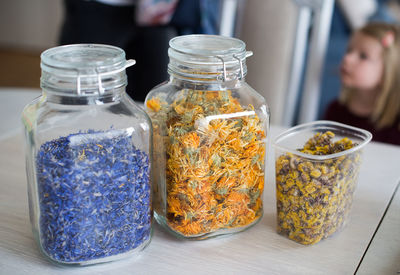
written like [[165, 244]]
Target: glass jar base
[[122, 256], [214, 234], [316, 239]]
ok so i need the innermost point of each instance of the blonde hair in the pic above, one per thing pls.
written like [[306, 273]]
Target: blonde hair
[[387, 108]]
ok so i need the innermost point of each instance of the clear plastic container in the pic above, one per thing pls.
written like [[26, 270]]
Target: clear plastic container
[[88, 149], [210, 131], [316, 175]]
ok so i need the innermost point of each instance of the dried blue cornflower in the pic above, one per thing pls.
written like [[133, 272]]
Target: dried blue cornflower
[[94, 196]]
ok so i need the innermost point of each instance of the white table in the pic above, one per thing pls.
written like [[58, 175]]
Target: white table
[[259, 250], [12, 102], [383, 254]]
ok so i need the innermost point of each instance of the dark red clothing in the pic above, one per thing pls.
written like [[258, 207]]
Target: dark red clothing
[[340, 113]]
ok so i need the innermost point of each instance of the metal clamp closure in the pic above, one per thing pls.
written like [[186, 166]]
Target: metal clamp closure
[[224, 77], [99, 75], [241, 65], [223, 66]]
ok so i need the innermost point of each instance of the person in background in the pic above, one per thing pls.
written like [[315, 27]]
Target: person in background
[[142, 28], [347, 17], [370, 77]]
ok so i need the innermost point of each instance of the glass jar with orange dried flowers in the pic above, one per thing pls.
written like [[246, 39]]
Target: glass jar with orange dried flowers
[[210, 130]]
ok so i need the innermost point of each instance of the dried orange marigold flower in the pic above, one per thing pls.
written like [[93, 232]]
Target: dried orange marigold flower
[[211, 162]]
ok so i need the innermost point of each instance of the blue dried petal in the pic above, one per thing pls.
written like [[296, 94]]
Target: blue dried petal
[[94, 196]]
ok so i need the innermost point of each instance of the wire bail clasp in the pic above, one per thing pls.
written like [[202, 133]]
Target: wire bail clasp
[[101, 88], [240, 61], [129, 62], [78, 84], [223, 66], [240, 64]]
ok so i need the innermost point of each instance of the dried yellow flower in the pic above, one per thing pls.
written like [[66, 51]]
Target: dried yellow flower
[[318, 203]]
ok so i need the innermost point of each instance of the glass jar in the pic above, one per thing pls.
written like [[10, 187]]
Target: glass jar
[[210, 129], [88, 148]]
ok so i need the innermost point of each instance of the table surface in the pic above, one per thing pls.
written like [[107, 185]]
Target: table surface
[[12, 102], [383, 254], [372, 230]]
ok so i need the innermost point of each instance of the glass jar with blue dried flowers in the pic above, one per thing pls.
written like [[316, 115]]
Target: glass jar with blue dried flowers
[[88, 149]]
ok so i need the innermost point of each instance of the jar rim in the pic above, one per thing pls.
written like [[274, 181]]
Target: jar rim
[[283, 142], [207, 45], [78, 57]]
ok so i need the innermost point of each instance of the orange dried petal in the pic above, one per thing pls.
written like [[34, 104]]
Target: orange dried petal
[[154, 104]]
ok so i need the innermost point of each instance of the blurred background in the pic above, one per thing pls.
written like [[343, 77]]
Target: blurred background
[[297, 44]]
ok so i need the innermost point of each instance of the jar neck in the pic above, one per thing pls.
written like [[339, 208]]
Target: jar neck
[[208, 74], [82, 85], [107, 97], [204, 85]]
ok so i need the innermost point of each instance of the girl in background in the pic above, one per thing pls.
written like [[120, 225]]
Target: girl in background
[[370, 76]]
